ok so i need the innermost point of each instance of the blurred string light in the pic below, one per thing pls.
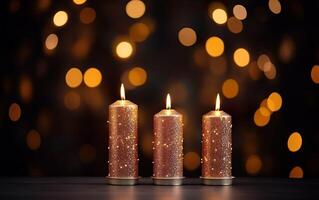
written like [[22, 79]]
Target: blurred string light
[[147, 145], [14, 112], [269, 105], [135, 9], [25, 88], [60, 18], [315, 74], [79, 2], [81, 47], [33, 140], [214, 46], [234, 25], [272, 72], [187, 36], [124, 49], [286, 49], [87, 153], [240, 12], [294, 142], [253, 164], [254, 71], [137, 76], [261, 117], [296, 172], [274, 6], [43, 5], [72, 100], [274, 101], [139, 32], [191, 161], [230, 88], [241, 57], [73, 77], [51, 42], [87, 15], [262, 61], [219, 16], [264, 105], [92, 77]]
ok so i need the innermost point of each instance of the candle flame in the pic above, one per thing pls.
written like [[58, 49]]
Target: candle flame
[[217, 105], [122, 92], [168, 101]]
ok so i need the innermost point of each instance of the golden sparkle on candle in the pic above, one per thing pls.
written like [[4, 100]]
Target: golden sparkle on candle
[[168, 146], [217, 105], [216, 147], [168, 102], [122, 92], [123, 146]]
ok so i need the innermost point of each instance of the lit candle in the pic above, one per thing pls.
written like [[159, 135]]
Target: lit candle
[[168, 147], [123, 149], [216, 147]]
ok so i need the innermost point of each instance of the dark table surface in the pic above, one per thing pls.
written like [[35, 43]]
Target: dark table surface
[[95, 188]]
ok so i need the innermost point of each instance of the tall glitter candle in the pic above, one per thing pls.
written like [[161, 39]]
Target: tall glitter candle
[[123, 149], [216, 147], [168, 147]]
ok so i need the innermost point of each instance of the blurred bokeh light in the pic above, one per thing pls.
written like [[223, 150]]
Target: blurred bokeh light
[[92, 77], [214, 46], [63, 64], [73, 77], [60, 18]]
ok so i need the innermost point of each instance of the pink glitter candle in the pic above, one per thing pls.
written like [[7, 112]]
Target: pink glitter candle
[[123, 149], [216, 147], [168, 147]]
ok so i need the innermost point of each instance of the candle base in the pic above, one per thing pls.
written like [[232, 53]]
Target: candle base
[[121, 180], [217, 180], [168, 180]]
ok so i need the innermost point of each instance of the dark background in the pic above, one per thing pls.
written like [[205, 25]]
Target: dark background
[[71, 142]]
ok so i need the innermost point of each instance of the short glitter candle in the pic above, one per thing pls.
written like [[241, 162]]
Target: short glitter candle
[[216, 147], [168, 147], [123, 149]]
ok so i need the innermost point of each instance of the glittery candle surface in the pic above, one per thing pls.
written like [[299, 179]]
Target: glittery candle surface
[[123, 149], [216, 145], [168, 145]]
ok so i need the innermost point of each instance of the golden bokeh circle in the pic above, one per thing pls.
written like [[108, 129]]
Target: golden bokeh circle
[[92, 77], [137, 76], [214, 46], [60, 18], [294, 142], [230, 88], [187, 36], [219, 16], [135, 9], [124, 49], [315, 74], [73, 77], [241, 57], [274, 101], [191, 161]]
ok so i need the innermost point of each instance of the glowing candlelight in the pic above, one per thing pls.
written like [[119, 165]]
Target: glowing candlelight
[[123, 150], [216, 147], [168, 146], [122, 92], [168, 102]]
